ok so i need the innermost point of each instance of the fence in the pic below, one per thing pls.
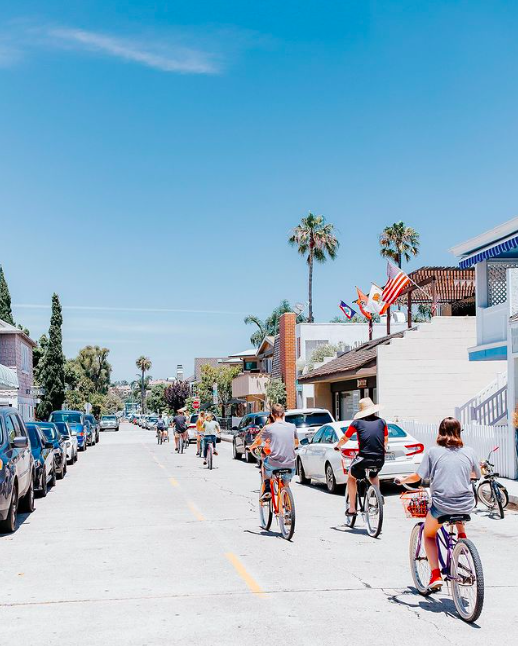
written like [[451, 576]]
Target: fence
[[481, 438]]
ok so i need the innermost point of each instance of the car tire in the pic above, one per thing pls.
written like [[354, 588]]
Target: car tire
[[303, 479], [330, 479], [52, 482], [61, 474], [27, 502], [235, 453], [44, 487], [8, 525]]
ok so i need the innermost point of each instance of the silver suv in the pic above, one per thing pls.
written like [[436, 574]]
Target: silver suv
[[109, 423]]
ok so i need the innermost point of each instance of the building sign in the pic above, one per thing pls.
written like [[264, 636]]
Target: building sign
[[361, 383]]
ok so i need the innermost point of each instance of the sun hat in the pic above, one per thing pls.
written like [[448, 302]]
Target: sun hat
[[367, 407]]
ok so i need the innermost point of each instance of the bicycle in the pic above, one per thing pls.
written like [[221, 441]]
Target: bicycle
[[459, 560], [182, 443], [489, 491], [369, 503], [209, 456], [159, 436], [280, 503]]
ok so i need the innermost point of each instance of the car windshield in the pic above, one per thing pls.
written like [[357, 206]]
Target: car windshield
[[33, 435], [108, 418], [153, 419], [49, 432], [194, 419], [309, 419], [394, 431], [62, 428], [71, 418]]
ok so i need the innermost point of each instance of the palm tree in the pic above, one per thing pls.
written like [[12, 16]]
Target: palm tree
[[270, 325], [399, 241], [144, 365], [316, 240], [260, 333]]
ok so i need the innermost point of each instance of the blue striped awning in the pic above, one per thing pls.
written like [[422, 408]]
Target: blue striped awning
[[490, 252]]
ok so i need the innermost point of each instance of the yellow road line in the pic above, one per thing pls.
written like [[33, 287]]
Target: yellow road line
[[173, 482], [196, 512], [245, 575]]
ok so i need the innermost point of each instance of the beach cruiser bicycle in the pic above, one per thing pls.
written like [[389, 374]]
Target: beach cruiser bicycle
[[369, 501], [459, 560], [209, 457], [281, 503], [162, 435], [489, 491]]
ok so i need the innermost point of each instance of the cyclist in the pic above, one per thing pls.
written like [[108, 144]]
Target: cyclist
[[372, 433], [210, 430], [449, 466], [180, 427], [282, 439], [160, 427], [199, 431]]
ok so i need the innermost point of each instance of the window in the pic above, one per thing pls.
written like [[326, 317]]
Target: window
[[244, 421], [11, 428], [49, 432], [71, 418], [2, 440], [34, 436], [317, 438], [329, 436], [250, 365], [309, 419], [311, 346], [25, 358], [497, 281], [395, 431]]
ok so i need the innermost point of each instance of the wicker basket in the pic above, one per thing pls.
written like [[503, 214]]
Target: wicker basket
[[415, 503]]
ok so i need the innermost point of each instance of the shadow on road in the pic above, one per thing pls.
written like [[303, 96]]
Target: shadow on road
[[432, 603]]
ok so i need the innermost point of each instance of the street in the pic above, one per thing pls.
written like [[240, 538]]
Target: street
[[141, 546]]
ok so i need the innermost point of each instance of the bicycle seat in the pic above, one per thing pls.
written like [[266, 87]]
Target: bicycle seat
[[280, 472], [455, 518]]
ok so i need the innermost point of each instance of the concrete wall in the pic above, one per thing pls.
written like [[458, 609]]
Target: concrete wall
[[426, 374]]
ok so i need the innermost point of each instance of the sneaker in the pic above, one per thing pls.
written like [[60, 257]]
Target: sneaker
[[435, 581], [204, 461], [215, 453]]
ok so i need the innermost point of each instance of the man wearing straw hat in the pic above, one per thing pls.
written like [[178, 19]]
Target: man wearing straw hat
[[372, 433]]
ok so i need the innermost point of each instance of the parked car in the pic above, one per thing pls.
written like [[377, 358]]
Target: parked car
[[16, 469], [95, 424], [308, 420], [151, 422], [109, 423], [44, 474], [52, 434], [245, 433], [191, 427], [76, 420], [317, 460], [70, 437]]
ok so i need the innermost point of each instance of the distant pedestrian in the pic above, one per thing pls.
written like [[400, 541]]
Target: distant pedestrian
[[180, 426]]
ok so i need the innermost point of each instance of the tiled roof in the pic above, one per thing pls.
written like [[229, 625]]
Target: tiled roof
[[452, 284], [352, 360]]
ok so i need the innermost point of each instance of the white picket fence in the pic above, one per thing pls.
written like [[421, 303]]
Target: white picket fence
[[481, 438]]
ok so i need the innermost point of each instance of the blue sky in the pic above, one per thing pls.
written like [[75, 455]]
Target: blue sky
[[156, 155]]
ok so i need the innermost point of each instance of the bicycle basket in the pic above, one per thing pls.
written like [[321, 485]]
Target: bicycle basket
[[415, 503]]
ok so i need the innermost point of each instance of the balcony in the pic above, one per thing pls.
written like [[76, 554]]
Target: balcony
[[250, 384]]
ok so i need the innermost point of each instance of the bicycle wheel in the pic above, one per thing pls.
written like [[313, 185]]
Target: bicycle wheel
[[485, 494], [467, 580], [210, 452], [373, 507], [180, 444], [159, 438], [419, 565], [265, 513], [499, 499], [349, 520], [287, 513]]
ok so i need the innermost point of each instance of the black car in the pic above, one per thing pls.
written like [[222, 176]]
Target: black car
[[52, 434], [43, 455], [95, 424], [245, 434]]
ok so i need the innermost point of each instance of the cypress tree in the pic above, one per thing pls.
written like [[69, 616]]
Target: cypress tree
[[52, 372], [6, 313]]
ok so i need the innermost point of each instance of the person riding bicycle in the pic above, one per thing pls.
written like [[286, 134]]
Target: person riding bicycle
[[180, 427], [160, 426], [281, 437], [372, 433], [211, 429], [449, 466], [199, 431]]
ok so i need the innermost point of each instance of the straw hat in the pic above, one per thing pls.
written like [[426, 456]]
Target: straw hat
[[367, 407]]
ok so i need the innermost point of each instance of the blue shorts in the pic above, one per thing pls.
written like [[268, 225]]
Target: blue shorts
[[268, 471]]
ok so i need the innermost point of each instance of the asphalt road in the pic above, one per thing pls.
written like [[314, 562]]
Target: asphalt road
[[141, 546]]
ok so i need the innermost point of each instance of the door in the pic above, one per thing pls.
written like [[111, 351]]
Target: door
[[312, 452], [321, 451], [349, 404], [241, 432]]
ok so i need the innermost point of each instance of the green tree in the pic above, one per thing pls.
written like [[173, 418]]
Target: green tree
[[270, 326], [92, 361], [144, 365], [314, 239], [38, 354], [399, 241], [222, 376], [155, 401], [6, 313], [275, 392], [52, 373]]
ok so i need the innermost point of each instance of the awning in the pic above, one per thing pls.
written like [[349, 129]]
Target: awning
[[8, 379], [491, 252]]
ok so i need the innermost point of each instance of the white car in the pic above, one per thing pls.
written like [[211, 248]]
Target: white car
[[69, 435], [191, 427], [308, 420], [317, 460]]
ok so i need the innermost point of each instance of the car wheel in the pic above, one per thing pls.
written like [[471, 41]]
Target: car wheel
[[235, 453], [61, 473], [44, 487], [27, 502], [52, 482], [303, 479], [8, 525], [330, 479]]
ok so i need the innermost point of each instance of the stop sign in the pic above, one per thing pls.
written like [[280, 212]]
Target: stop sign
[[196, 404]]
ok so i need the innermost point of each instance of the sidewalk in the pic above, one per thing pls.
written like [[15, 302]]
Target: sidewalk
[[512, 488]]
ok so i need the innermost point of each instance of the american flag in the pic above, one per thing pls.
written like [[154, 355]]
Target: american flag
[[397, 282]]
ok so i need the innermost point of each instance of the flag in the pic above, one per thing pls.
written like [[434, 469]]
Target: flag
[[362, 302], [347, 310], [375, 304], [397, 282]]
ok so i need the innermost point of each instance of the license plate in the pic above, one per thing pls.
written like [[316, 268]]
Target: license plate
[[390, 456]]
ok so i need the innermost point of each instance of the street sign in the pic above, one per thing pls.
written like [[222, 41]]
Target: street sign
[[196, 404]]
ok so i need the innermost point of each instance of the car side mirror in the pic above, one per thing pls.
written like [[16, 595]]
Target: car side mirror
[[304, 441], [20, 442], [49, 445]]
